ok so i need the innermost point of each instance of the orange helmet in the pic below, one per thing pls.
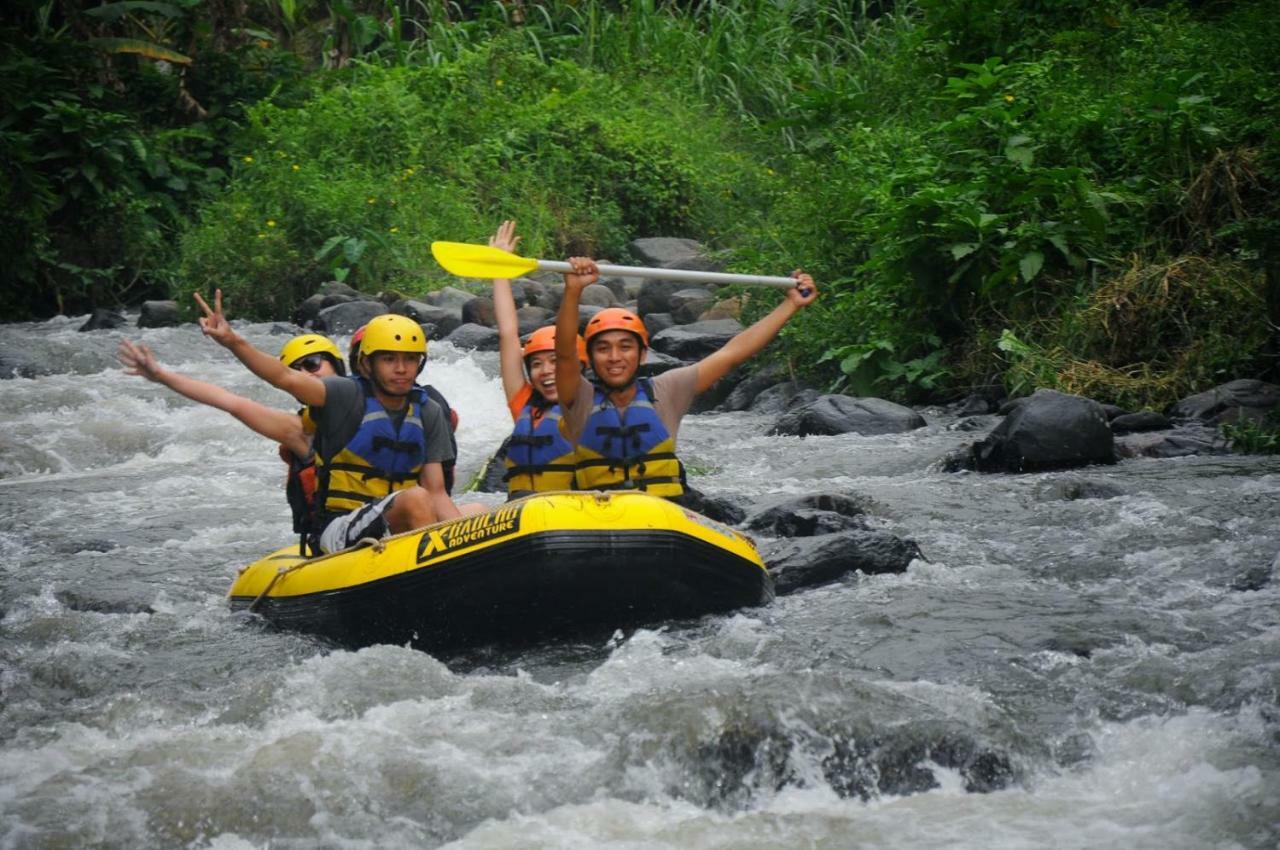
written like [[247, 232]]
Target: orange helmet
[[617, 319], [544, 339]]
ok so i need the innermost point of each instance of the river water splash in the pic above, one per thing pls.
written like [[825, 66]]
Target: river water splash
[[1086, 659]]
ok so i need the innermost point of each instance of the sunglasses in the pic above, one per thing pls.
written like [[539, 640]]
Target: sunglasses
[[311, 363]]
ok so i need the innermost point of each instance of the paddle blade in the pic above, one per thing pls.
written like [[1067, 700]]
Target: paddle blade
[[466, 260]]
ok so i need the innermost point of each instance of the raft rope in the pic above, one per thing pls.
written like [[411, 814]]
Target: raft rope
[[377, 545]]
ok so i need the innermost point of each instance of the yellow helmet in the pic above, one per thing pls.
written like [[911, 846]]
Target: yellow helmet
[[390, 332], [300, 346]]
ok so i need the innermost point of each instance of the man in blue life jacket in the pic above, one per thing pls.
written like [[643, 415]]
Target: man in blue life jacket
[[624, 428], [380, 441]]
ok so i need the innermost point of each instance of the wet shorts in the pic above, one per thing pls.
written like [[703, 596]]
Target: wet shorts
[[348, 529]]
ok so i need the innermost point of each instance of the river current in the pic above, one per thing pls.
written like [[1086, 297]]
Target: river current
[[1085, 659]]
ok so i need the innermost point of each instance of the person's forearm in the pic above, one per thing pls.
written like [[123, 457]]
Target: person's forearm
[[510, 357], [749, 343], [567, 370]]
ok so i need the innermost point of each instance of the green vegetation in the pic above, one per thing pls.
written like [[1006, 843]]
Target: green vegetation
[[1082, 195]]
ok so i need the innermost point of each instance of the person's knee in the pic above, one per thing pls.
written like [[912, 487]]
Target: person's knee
[[412, 509]]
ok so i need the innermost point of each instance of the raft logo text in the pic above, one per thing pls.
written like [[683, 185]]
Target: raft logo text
[[468, 532]]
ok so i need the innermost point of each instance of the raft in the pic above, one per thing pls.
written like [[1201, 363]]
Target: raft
[[545, 566]]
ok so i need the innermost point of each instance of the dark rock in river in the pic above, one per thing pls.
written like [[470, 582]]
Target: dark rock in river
[[1245, 399], [1133, 423], [471, 336], [809, 561], [529, 318], [656, 323], [450, 298], [687, 305], [159, 314], [720, 508], [694, 342], [345, 318], [1049, 430], [480, 311], [1191, 439], [304, 315], [783, 397], [807, 516], [655, 363], [842, 414], [746, 391], [438, 322], [103, 319], [597, 295]]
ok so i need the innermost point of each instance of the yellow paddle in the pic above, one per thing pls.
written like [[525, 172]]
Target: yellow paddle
[[467, 260]]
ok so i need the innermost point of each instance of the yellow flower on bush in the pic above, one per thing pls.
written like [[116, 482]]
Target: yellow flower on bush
[[271, 222], [498, 83], [1008, 98], [297, 167], [394, 230], [262, 236], [372, 201], [248, 159]]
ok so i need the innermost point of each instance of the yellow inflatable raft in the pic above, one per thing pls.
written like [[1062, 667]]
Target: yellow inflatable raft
[[552, 564]]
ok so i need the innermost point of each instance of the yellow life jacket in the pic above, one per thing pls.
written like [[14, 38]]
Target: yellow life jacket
[[378, 460], [538, 457], [629, 450]]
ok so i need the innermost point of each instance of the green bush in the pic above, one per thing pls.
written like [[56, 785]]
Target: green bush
[[585, 163]]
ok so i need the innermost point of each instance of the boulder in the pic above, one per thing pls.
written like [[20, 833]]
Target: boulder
[[1146, 420], [586, 312], [1181, 441], [1049, 430], [656, 323], [688, 305], [729, 308], [450, 297], [530, 318], [842, 414], [747, 390], [304, 315], [783, 397], [535, 293], [808, 516], [159, 314], [810, 561], [1244, 399], [346, 317], [694, 342], [479, 311], [337, 298], [102, 319], [714, 395], [337, 287], [655, 296], [719, 508], [519, 293], [668, 252], [438, 322], [474, 337], [618, 286], [598, 296]]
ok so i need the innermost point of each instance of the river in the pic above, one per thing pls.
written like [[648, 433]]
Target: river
[[1061, 672]]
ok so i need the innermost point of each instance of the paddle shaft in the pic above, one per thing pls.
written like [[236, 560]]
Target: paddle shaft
[[676, 274]]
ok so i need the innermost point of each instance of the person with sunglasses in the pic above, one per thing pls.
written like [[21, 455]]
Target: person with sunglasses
[[380, 440], [310, 353]]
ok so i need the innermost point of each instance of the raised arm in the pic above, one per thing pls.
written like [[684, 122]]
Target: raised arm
[[749, 342], [568, 372], [277, 425], [305, 388], [510, 357]]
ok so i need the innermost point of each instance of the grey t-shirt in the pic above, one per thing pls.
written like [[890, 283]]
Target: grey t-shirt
[[339, 420], [674, 391]]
